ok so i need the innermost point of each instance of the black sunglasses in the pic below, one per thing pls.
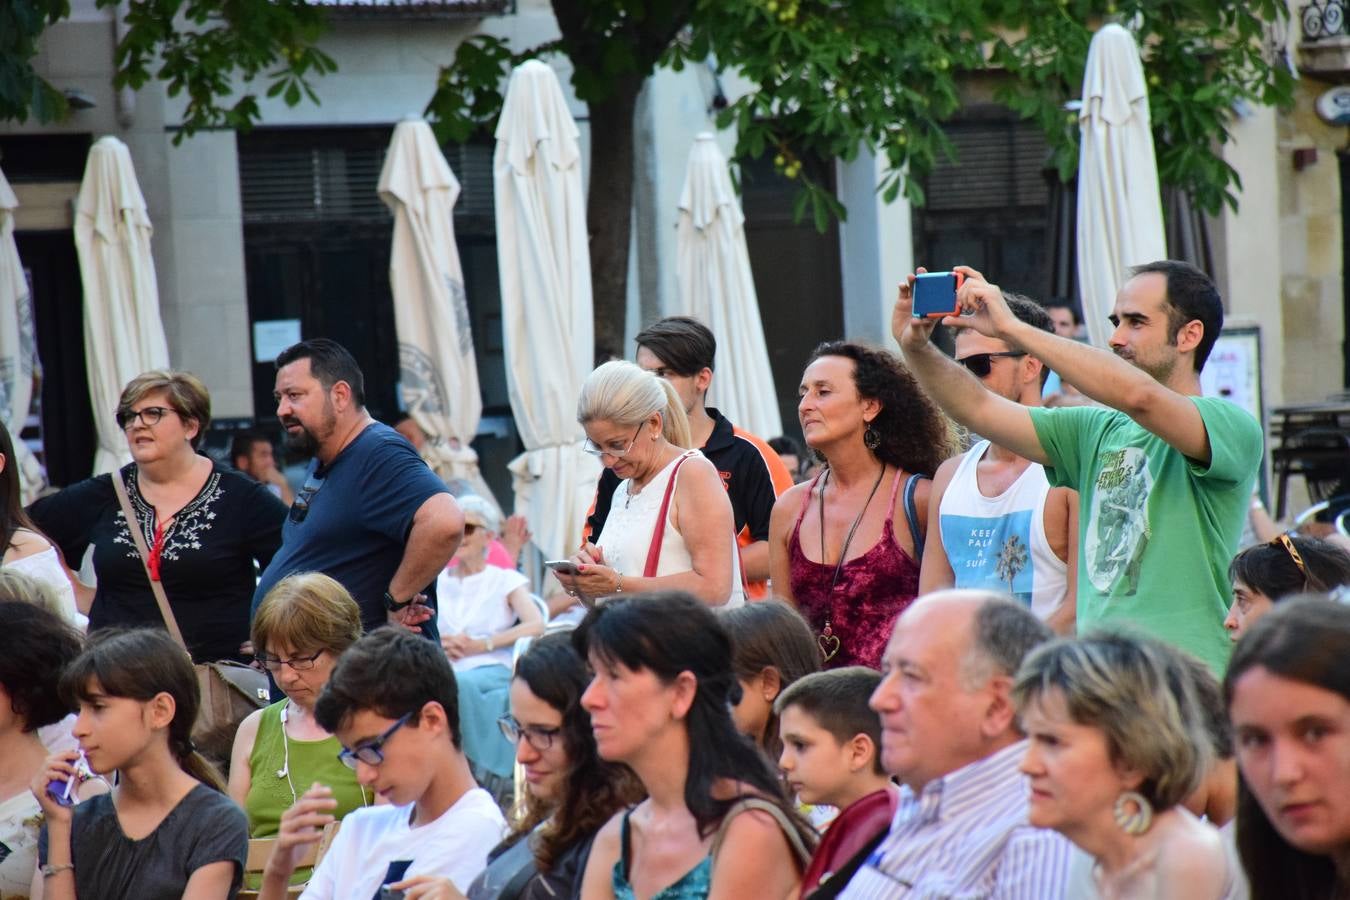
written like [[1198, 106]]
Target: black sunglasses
[[979, 364], [300, 508]]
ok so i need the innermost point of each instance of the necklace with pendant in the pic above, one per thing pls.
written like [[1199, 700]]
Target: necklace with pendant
[[829, 641]]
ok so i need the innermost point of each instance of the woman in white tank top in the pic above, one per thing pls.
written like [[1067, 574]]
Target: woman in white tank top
[[636, 425]]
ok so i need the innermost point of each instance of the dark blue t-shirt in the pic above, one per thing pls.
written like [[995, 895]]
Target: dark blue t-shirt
[[358, 522]]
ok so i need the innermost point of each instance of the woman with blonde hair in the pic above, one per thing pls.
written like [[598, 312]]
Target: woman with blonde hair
[[301, 628], [1117, 743], [204, 525], [670, 525]]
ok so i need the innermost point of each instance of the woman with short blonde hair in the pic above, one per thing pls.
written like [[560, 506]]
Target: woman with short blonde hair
[[1116, 742], [300, 629], [670, 524]]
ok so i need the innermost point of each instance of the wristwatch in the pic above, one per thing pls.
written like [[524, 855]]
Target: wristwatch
[[394, 605]]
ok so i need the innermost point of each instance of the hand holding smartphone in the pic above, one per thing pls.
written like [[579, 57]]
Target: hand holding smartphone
[[935, 294], [562, 566]]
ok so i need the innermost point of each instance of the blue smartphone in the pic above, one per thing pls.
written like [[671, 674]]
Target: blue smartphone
[[935, 294]]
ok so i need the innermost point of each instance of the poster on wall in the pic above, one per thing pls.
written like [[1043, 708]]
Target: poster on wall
[[1233, 370]]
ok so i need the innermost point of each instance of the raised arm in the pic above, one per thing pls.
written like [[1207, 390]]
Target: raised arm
[[1097, 373], [958, 392]]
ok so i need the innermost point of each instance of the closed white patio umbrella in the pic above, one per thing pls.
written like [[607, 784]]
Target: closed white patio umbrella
[[545, 271], [18, 346], [716, 287], [123, 332], [438, 372], [1120, 222]]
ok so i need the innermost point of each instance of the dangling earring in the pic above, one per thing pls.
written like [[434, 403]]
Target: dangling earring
[[1133, 812], [871, 439]]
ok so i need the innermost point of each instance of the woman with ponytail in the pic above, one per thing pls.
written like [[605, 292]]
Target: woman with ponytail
[[636, 425], [167, 829]]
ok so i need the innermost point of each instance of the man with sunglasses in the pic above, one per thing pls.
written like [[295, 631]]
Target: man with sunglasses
[[1164, 474], [370, 513], [393, 704], [995, 523]]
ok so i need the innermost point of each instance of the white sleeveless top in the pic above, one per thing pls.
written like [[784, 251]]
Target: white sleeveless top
[[627, 535], [998, 543], [46, 567]]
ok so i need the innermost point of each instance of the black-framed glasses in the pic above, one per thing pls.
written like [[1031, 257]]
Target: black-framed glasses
[[595, 449], [979, 364], [149, 415], [298, 663], [370, 752], [536, 736], [300, 507]]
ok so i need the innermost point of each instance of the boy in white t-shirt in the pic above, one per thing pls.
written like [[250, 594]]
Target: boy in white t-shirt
[[392, 703]]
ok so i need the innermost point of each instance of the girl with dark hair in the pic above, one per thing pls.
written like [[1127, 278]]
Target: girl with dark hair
[[845, 547], [716, 821], [37, 645], [1288, 695], [771, 647], [569, 791], [1264, 574], [167, 829], [22, 547]]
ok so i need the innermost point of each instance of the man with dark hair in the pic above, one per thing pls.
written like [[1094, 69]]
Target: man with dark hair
[[370, 513], [950, 736], [681, 350], [393, 704], [252, 454], [994, 521], [1068, 322], [1164, 475]]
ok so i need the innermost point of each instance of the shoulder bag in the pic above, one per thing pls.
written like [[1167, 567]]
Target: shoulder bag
[[230, 690]]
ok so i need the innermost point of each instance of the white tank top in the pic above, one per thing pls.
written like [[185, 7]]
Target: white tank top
[[627, 535], [998, 543]]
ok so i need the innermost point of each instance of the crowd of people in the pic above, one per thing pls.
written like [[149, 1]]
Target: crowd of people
[[991, 633]]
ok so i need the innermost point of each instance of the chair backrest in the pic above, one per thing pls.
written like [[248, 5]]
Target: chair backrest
[[260, 850]]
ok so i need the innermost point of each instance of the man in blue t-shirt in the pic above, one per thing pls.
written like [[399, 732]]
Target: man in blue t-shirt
[[371, 514]]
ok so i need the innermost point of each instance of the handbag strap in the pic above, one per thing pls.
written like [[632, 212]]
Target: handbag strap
[[794, 838], [912, 514], [659, 532], [143, 552]]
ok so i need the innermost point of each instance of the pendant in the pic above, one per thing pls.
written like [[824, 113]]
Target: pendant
[[828, 643]]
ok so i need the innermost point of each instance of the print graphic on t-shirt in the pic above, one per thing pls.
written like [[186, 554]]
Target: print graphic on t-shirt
[[1118, 530], [991, 552]]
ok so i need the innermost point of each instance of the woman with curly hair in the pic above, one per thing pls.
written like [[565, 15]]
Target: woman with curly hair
[[845, 547]]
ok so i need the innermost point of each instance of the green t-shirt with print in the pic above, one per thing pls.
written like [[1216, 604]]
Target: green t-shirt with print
[[1156, 530]]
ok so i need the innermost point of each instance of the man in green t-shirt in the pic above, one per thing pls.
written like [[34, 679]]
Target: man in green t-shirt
[[1164, 475]]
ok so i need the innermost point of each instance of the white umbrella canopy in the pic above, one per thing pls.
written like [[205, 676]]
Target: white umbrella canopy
[[1120, 222], [438, 372], [544, 267], [18, 346], [716, 287], [123, 332]]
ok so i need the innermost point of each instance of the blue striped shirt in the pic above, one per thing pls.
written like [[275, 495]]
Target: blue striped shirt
[[966, 836]]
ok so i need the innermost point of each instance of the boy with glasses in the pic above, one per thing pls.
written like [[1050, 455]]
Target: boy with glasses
[[393, 704], [995, 523]]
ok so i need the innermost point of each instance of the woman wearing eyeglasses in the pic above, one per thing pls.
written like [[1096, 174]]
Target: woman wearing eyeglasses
[[670, 524], [845, 547], [301, 628], [205, 525], [569, 791], [483, 609], [1265, 574]]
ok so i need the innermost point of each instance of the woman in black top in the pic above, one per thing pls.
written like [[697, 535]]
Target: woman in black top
[[205, 524]]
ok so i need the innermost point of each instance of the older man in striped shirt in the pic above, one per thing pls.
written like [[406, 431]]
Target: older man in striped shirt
[[950, 735]]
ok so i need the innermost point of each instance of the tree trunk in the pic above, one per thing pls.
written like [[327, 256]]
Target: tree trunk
[[609, 213]]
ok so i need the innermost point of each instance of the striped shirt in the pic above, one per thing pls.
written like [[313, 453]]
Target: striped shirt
[[966, 836]]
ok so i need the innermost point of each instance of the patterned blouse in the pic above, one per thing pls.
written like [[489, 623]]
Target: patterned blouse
[[207, 555]]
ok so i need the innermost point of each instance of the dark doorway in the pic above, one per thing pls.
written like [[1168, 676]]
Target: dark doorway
[[67, 430], [1343, 159], [797, 276]]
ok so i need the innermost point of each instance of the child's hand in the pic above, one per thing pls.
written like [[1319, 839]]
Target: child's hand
[[427, 887], [301, 826], [59, 767]]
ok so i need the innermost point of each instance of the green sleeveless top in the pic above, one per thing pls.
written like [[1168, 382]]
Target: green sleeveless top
[[270, 795]]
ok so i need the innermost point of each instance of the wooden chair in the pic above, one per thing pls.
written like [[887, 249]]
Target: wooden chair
[[260, 850]]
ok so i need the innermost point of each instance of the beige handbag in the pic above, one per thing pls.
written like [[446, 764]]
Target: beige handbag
[[230, 690]]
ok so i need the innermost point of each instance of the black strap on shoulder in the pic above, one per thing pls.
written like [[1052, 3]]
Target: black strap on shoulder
[[912, 515]]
